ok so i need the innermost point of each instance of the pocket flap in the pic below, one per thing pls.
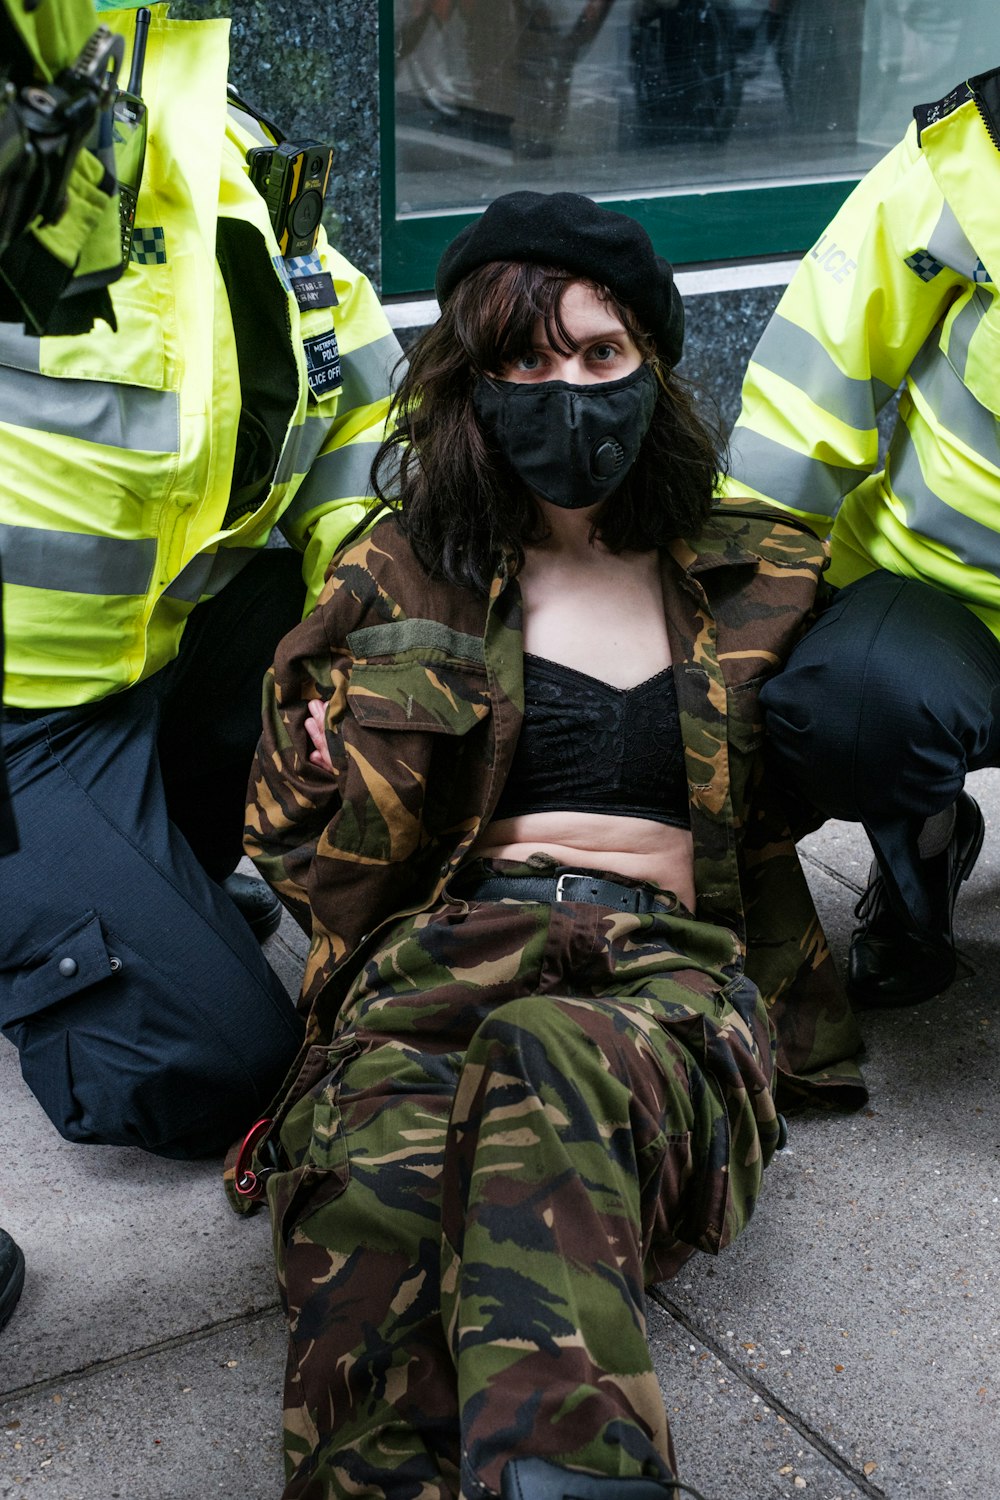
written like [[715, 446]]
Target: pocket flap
[[442, 697], [77, 958]]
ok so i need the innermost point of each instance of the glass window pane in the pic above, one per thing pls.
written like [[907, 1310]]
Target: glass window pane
[[644, 97]]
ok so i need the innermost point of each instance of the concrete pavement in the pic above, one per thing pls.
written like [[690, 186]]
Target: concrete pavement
[[847, 1346]]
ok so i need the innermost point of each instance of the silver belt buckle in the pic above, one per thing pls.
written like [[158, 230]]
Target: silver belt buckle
[[560, 880]]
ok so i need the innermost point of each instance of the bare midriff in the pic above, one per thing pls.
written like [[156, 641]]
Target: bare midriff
[[602, 614], [637, 848]]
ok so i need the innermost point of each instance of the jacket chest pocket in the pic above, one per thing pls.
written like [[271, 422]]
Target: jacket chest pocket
[[106, 389], [427, 696], [719, 742], [417, 745]]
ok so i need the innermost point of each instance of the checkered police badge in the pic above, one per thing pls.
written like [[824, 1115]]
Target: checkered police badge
[[149, 247], [304, 265], [924, 264]]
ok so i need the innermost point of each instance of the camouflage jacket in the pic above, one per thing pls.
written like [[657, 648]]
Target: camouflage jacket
[[424, 692]]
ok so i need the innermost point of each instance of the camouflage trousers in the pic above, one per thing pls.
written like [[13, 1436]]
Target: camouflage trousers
[[527, 1114]]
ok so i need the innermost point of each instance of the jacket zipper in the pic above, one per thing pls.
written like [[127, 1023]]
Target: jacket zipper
[[986, 117]]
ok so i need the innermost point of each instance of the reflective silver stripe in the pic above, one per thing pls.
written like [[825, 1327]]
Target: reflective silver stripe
[[74, 563], [301, 447], [964, 327], [209, 572], [927, 513], [241, 116], [954, 406], [787, 477], [93, 411], [20, 350], [367, 372], [343, 474], [948, 244], [798, 356]]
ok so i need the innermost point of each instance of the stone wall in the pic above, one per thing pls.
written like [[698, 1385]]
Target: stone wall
[[313, 68]]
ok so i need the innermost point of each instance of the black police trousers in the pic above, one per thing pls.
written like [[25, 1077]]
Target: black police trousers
[[140, 1003], [883, 707]]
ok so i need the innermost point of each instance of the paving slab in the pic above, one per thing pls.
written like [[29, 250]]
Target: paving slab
[[732, 1441], [123, 1249], [197, 1419]]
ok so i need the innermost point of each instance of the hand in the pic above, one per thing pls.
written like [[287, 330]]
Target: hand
[[316, 730]]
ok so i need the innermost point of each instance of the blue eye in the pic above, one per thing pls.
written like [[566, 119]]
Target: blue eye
[[529, 361]]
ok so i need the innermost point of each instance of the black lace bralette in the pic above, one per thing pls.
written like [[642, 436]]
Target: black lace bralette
[[586, 746]]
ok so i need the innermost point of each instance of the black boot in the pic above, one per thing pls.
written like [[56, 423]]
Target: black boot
[[11, 1276], [537, 1479], [890, 963], [256, 903]]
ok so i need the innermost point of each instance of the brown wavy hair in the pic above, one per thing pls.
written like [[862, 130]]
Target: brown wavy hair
[[458, 500]]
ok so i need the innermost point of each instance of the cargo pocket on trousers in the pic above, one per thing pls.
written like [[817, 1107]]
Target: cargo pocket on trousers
[[60, 969], [322, 1171], [704, 1220], [58, 990]]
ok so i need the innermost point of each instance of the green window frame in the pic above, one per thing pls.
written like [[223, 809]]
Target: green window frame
[[724, 224]]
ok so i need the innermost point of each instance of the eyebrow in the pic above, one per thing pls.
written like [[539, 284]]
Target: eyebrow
[[590, 336]]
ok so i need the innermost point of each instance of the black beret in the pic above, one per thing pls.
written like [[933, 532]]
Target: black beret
[[572, 233]]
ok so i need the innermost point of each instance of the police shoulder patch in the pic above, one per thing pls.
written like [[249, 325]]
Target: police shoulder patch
[[924, 265], [929, 114], [149, 246]]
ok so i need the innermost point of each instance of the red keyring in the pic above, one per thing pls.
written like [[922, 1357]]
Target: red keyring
[[248, 1184]]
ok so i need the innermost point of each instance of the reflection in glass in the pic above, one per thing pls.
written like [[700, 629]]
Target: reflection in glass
[[645, 96]]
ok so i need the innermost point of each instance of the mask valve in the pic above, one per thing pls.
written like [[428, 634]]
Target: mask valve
[[606, 458]]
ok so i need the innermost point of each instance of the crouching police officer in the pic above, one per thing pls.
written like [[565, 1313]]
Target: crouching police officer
[[893, 696], [143, 467]]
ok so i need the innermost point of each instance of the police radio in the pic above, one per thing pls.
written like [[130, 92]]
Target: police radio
[[292, 178]]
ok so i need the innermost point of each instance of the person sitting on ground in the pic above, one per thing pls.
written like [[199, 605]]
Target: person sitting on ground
[[509, 781]]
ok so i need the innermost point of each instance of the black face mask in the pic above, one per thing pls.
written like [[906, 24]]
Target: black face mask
[[571, 444]]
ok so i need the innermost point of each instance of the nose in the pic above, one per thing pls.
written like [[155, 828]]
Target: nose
[[574, 370]]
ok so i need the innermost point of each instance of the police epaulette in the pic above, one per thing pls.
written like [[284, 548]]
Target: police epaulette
[[929, 114]]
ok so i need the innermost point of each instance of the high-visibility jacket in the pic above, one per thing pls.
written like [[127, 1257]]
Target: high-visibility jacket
[[901, 289], [119, 510]]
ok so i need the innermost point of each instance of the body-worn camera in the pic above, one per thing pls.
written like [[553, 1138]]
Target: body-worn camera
[[292, 179]]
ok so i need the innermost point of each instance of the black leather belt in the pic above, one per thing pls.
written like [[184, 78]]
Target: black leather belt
[[566, 885]]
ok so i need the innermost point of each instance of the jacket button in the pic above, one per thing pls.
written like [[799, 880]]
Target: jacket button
[[68, 967]]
